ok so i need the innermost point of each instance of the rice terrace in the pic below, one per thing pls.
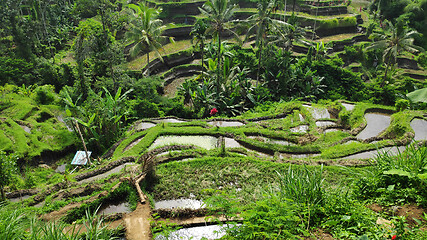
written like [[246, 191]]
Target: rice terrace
[[217, 119]]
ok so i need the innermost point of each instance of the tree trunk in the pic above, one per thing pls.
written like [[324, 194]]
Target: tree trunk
[[293, 6], [148, 63], [3, 195], [385, 76], [142, 196], [201, 51], [83, 141], [259, 62], [219, 63]]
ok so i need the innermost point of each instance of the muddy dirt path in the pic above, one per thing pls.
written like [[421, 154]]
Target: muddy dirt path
[[137, 223]]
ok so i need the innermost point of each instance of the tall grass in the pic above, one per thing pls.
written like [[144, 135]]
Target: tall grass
[[412, 161], [12, 223], [15, 225], [303, 186]]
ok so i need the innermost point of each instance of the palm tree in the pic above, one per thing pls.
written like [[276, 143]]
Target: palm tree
[[199, 35], [290, 33], [219, 12], [261, 23], [400, 39], [146, 30]]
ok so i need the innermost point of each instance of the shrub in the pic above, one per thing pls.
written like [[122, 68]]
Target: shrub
[[45, 95], [402, 104], [397, 179]]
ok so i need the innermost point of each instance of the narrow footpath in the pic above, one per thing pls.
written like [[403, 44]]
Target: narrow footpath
[[137, 223]]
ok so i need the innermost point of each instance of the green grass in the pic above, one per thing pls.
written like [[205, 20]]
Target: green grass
[[140, 62], [47, 133], [252, 176]]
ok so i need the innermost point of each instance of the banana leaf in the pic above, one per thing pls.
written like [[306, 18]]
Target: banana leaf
[[417, 96]]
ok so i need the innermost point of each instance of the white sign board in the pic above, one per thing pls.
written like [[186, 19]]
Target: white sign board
[[80, 158]]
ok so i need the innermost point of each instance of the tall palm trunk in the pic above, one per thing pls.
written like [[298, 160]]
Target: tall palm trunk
[[293, 6], [148, 63], [385, 75], [219, 63], [259, 61], [202, 51]]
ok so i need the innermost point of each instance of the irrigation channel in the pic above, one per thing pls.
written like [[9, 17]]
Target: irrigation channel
[[165, 148]]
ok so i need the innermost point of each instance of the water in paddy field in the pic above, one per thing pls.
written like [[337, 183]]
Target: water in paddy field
[[114, 208], [273, 141], [196, 233], [325, 123], [319, 113], [178, 203], [144, 125], [231, 143], [420, 129], [26, 129], [300, 129], [133, 144], [170, 120], [298, 155], [106, 174], [332, 130], [376, 123], [374, 153], [61, 168], [18, 199], [226, 123], [348, 106], [207, 142]]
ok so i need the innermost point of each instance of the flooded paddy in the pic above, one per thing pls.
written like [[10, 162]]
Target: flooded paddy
[[144, 125], [196, 233], [348, 106], [178, 203], [170, 120], [374, 153], [207, 142], [20, 198], [108, 209], [61, 168], [231, 143], [300, 129], [133, 144], [319, 113], [26, 129], [273, 141], [226, 123], [325, 123], [376, 123], [298, 155], [420, 128], [106, 174]]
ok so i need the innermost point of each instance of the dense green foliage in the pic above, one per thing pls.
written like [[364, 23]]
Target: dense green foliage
[[65, 74]]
